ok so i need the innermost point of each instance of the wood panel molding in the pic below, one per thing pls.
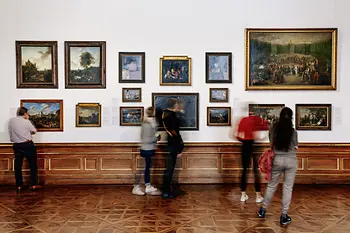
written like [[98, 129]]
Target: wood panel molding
[[117, 163]]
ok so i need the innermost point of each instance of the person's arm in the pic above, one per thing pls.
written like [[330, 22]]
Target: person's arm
[[168, 124], [31, 127], [261, 124], [238, 134], [295, 140]]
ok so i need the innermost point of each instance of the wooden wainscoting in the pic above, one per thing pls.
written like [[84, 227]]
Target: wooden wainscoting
[[117, 163]]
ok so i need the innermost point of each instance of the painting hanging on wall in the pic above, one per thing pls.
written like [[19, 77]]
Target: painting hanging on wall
[[218, 116], [218, 67], [218, 95], [85, 64], [131, 116], [291, 59], [46, 115], [269, 112], [313, 116], [189, 105], [88, 115], [36, 64], [131, 94], [175, 71], [132, 67]]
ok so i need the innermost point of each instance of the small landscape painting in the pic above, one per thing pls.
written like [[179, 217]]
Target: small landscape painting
[[47, 115], [131, 116], [88, 115]]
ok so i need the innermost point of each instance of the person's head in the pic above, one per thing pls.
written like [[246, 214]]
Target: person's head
[[283, 130], [174, 104], [150, 112], [23, 112]]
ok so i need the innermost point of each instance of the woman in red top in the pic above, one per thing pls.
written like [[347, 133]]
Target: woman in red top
[[247, 128]]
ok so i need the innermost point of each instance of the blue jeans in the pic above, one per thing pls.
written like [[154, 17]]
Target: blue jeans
[[147, 155]]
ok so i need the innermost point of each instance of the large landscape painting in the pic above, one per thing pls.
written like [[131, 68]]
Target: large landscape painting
[[47, 115], [85, 64], [302, 59], [36, 64], [189, 114]]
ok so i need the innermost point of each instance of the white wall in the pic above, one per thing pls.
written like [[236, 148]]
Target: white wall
[[164, 27]]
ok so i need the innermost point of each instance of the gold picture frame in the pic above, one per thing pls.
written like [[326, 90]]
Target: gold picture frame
[[291, 59], [218, 116], [88, 115], [316, 117], [175, 71]]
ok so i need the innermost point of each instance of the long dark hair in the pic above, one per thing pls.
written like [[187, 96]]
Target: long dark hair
[[283, 130]]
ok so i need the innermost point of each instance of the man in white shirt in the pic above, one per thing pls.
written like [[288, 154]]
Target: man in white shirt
[[21, 130]]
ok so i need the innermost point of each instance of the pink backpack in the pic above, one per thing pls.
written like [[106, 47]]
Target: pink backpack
[[265, 163]]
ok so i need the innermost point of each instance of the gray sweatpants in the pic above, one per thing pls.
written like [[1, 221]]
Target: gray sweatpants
[[287, 165]]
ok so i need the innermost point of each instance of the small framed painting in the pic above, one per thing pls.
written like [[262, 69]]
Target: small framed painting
[[132, 67], [88, 115], [269, 112], [175, 71], [131, 116], [85, 64], [313, 116], [219, 116], [46, 115], [36, 64], [218, 67], [218, 95], [131, 94]]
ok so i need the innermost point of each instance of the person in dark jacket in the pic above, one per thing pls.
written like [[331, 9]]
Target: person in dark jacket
[[171, 124]]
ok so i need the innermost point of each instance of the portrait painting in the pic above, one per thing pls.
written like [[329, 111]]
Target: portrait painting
[[36, 64], [131, 116], [46, 115], [291, 59], [175, 71], [88, 115], [269, 112], [218, 67], [313, 116], [218, 116], [131, 95], [132, 67], [218, 95], [85, 64], [188, 112]]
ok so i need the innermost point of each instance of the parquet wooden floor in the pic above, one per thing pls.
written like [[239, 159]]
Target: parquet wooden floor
[[204, 209]]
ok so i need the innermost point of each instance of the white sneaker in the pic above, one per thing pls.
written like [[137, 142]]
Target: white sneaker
[[137, 191], [152, 191], [244, 197], [259, 199]]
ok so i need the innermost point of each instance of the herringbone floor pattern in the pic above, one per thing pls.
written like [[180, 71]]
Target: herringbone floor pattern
[[204, 209]]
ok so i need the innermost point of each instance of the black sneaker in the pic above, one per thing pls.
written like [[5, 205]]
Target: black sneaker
[[261, 213], [167, 196], [284, 221]]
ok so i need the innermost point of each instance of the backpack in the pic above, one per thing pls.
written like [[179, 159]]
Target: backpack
[[265, 163]]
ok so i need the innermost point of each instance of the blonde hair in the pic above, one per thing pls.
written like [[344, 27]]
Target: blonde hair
[[150, 112]]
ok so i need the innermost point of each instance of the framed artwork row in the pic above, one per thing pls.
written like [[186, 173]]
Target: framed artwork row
[[47, 115]]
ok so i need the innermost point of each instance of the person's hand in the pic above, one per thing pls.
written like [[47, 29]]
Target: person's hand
[[179, 155], [296, 147]]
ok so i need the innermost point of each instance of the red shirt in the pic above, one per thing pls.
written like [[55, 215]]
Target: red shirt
[[249, 125]]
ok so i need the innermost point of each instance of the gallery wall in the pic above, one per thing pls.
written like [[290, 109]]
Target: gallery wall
[[158, 28]]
